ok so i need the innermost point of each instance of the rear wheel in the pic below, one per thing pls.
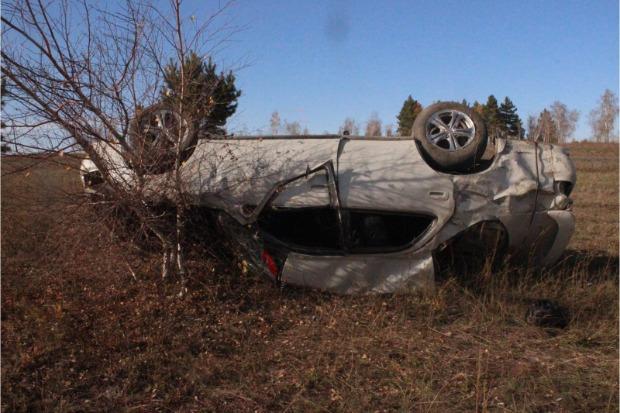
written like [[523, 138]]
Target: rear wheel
[[157, 135], [452, 135]]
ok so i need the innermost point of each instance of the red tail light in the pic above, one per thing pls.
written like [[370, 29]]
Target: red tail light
[[270, 263]]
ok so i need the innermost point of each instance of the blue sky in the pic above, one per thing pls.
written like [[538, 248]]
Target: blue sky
[[319, 62]]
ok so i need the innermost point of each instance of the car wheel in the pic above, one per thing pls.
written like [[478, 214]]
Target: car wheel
[[452, 136], [156, 135]]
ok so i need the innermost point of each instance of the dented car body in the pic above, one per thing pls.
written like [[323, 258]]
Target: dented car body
[[358, 215]]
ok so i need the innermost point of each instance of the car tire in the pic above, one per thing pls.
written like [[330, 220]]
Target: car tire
[[152, 139], [452, 136]]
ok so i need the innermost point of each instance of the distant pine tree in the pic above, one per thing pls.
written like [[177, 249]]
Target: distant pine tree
[[209, 96], [411, 108], [509, 121], [491, 116]]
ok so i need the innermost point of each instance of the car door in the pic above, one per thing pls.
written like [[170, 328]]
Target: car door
[[387, 184], [239, 175], [305, 216]]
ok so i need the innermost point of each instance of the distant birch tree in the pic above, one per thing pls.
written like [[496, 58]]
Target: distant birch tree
[[565, 120], [292, 128], [349, 126], [373, 126], [603, 118], [275, 123]]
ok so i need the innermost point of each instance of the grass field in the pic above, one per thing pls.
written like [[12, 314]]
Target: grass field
[[80, 334]]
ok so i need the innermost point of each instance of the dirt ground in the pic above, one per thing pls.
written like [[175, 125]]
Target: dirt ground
[[79, 333]]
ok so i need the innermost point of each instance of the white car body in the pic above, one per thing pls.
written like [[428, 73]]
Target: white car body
[[375, 182]]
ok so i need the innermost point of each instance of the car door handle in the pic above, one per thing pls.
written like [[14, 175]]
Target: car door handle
[[318, 186], [439, 195]]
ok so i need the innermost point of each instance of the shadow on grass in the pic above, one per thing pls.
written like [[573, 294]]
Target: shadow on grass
[[595, 262]]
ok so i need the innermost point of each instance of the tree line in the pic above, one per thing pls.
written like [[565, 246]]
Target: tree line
[[214, 96], [554, 124]]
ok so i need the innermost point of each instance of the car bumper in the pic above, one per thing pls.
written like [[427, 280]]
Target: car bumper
[[362, 274], [565, 221]]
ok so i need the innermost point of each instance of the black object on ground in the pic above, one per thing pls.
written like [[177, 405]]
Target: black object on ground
[[546, 313]]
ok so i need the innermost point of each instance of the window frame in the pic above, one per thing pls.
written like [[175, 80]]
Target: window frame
[[345, 246]]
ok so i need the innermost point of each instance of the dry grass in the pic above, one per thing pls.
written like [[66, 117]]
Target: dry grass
[[78, 334]]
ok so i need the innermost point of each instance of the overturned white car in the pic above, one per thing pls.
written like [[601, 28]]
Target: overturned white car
[[355, 215]]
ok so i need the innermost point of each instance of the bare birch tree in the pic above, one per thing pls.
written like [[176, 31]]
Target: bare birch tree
[[349, 126], [292, 128], [547, 130], [565, 120], [91, 78], [274, 123], [373, 126], [532, 128], [603, 118]]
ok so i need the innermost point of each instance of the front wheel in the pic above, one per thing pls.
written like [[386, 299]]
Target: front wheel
[[452, 135]]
